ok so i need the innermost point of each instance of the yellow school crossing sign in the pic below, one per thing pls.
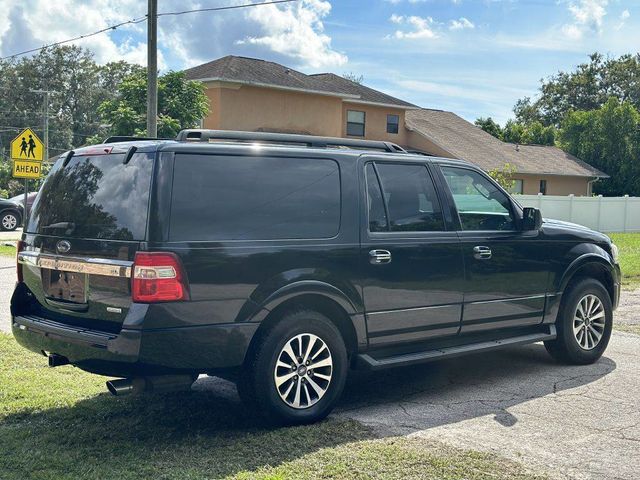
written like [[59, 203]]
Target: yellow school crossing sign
[[26, 169], [27, 153]]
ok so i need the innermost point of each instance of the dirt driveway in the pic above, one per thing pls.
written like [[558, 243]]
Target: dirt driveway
[[566, 421]]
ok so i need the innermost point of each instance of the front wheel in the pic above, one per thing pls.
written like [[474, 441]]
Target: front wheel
[[584, 324], [298, 370], [9, 221]]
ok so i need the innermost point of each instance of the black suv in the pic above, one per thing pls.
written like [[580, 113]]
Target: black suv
[[281, 261]]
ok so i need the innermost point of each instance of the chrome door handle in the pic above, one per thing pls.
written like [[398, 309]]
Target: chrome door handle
[[481, 253], [378, 257]]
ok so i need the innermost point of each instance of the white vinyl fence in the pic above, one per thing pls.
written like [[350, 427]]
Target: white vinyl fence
[[605, 214]]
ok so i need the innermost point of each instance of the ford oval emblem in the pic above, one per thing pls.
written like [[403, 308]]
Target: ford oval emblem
[[63, 246]]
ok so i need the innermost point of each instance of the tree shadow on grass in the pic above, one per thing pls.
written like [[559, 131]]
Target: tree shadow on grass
[[204, 433], [208, 433]]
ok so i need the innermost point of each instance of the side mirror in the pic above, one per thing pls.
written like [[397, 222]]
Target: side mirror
[[531, 219]]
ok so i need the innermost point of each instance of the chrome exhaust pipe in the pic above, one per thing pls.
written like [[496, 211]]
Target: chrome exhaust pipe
[[56, 360], [119, 387], [157, 384]]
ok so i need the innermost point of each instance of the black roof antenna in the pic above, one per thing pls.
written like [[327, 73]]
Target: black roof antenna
[[67, 159], [130, 152]]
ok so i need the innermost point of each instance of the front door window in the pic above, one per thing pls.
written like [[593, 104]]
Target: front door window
[[481, 205]]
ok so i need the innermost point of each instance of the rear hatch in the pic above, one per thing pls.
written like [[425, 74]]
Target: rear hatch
[[86, 225]]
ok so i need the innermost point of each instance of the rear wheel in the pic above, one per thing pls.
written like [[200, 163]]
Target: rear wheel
[[9, 220], [584, 324], [298, 370]]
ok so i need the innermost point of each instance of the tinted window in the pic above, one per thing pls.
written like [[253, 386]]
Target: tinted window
[[481, 205], [392, 123], [253, 198], [517, 187], [355, 123], [411, 198], [95, 197], [377, 213], [543, 187]]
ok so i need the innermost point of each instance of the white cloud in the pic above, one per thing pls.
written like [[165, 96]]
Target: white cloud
[[41, 22], [624, 16], [291, 34], [588, 16], [461, 24], [421, 27], [296, 31], [395, 2]]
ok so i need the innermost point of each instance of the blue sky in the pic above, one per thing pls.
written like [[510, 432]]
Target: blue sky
[[473, 57]]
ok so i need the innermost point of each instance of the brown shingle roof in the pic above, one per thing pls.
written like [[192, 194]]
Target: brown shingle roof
[[465, 141], [254, 71]]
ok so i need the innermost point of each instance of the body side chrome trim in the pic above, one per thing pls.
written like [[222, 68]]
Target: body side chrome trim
[[92, 266]]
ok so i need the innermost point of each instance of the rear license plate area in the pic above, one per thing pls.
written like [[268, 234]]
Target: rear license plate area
[[67, 286]]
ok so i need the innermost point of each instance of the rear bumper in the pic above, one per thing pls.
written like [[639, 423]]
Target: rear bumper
[[138, 352]]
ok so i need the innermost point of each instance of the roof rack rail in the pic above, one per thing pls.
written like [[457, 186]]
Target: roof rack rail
[[127, 138], [311, 141]]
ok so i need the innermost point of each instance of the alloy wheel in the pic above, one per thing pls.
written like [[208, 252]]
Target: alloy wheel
[[589, 322], [303, 371], [9, 221]]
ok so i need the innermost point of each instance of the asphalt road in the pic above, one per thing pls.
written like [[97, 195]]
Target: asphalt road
[[578, 422]]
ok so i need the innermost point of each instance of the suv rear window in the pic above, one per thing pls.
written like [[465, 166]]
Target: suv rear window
[[95, 197], [254, 198]]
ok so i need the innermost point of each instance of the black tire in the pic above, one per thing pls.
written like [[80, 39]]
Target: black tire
[[9, 220], [566, 348], [257, 385]]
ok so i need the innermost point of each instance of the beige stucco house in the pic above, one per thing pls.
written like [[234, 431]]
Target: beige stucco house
[[257, 95]]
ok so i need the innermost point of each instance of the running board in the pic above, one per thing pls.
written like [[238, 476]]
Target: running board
[[368, 362]]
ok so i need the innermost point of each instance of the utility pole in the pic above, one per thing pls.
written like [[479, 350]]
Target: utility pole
[[152, 69], [45, 129]]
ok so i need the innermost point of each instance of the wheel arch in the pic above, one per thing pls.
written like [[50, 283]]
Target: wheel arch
[[319, 297], [590, 266]]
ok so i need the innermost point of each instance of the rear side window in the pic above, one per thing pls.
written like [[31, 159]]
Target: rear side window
[[95, 197], [253, 198], [377, 211], [411, 201]]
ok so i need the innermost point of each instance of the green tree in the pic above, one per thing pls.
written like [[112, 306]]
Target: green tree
[[489, 126], [181, 104], [586, 88], [79, 86], [514, 132], [353, 77], [504, 176], [609, 139]]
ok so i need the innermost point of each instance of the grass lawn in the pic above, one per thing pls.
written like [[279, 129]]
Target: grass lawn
[[629, 245], [7, 251], [60, 424]]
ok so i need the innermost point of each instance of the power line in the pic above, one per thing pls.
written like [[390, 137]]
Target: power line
[[214, 9], [140, 20], [79, 37]]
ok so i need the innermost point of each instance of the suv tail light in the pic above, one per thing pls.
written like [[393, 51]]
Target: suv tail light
[[19, 248], [158, 277]]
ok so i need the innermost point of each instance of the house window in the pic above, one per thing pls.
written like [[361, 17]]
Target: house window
[[517, 187], [355, 123], [392, 123], [543, 187]]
